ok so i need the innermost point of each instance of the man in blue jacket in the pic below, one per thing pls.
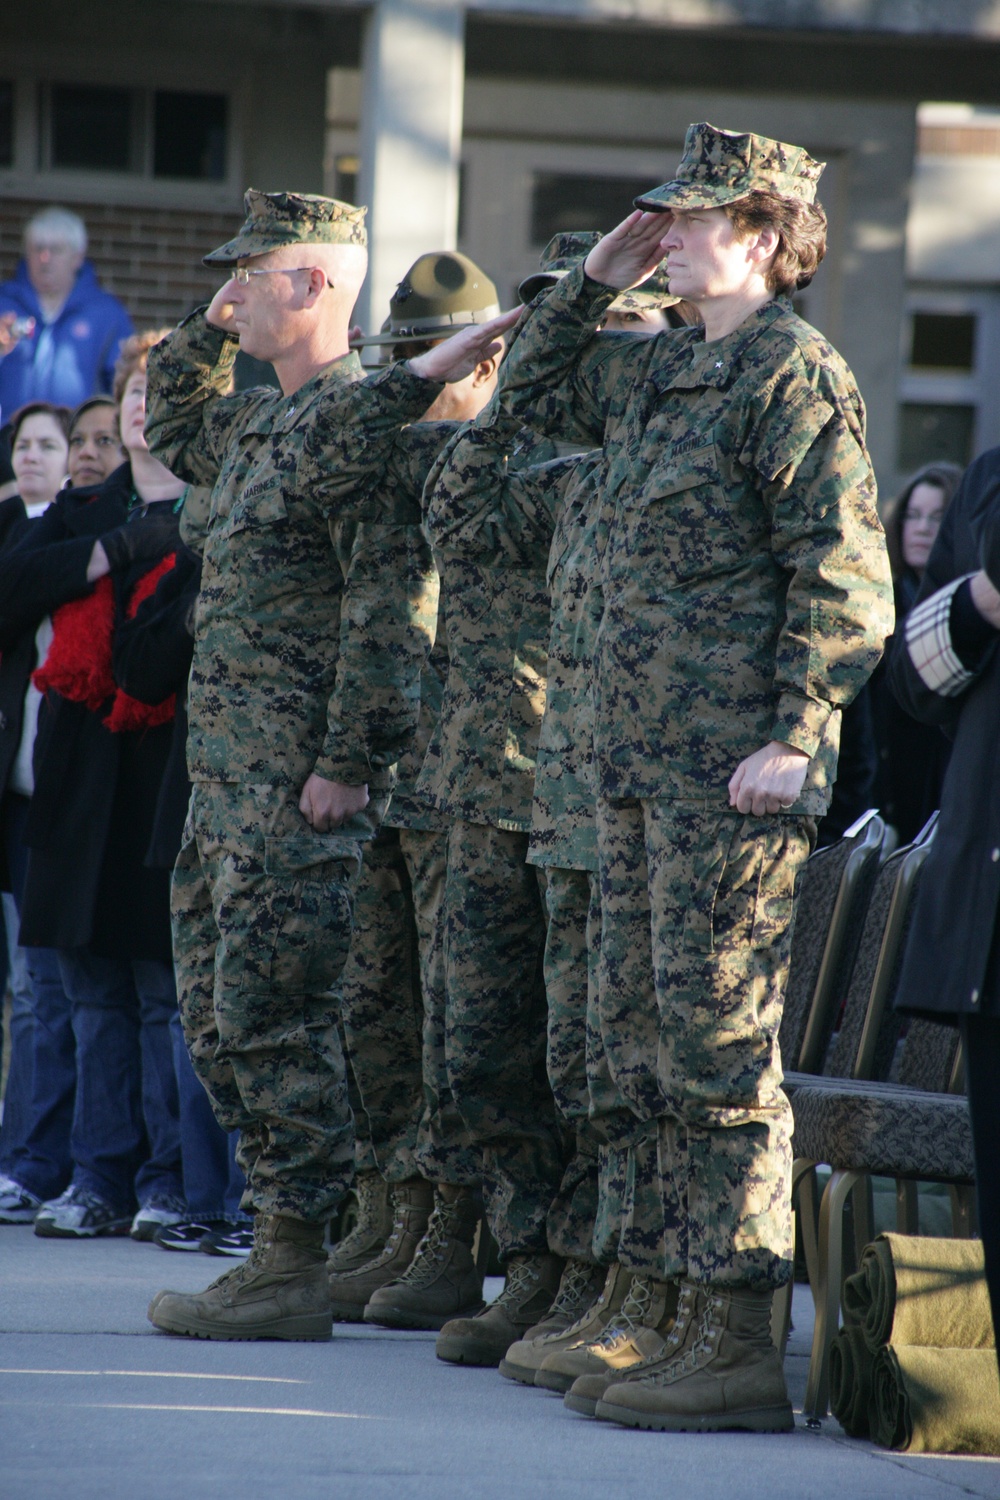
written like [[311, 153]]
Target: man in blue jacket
[[69, 350]]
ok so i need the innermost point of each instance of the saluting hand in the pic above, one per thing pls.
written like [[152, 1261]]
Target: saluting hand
[[458, 356], [220, 311], [629, 254]]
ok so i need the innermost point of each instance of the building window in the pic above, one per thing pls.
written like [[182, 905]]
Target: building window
[[929, 433], [189, 136], [562, 201], [152, 133], [91, 128], [6, 124], [346, 178], [943, 341]]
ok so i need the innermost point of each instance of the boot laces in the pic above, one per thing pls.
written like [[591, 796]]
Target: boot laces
[[632, 1315], [521, 1279], [575, 1291], [701, 1346], [366, 1187], [429, 1253]]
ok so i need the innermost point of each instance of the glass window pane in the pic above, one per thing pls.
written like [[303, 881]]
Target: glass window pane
[[91, 127], [6, 124], [563, 201], [189, 135], [943, 341], [929, 433]]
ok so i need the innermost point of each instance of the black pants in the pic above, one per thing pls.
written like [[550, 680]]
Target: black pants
[[981, 1041]]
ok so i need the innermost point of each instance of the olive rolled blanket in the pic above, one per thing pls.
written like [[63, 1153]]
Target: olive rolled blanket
[[851, 1363], [936, 1400], [916, 1290]]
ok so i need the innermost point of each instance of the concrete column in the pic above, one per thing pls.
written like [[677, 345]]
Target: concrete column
[[413, 75]]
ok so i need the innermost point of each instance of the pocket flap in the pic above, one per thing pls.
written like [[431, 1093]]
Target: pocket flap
[[675, 472]]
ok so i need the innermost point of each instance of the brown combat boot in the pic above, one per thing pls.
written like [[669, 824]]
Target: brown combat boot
[[278, 1292], [372, 1227], [441, 1281], [528, 1293], [729, 1377], [636, 1331], [350, 1291], [524, 1359]]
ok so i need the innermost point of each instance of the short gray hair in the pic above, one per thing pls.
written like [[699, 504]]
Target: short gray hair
[[58, 224]]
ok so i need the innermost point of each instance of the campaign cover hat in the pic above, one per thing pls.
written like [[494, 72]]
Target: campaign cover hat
[[442, 293]]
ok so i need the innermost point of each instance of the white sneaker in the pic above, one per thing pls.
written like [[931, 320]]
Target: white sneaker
[[154, 1214], [17, 1205], [77, 1214]]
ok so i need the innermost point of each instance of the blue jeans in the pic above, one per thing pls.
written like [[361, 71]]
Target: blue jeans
[[213, 1183], [41, 1079], [125, 1141]]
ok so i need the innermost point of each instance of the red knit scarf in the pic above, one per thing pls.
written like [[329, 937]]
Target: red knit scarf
[[78, 664]]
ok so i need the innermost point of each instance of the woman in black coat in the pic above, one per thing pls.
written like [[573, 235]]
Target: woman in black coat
[[944, 668]]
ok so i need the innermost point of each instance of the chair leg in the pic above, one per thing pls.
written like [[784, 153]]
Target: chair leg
[[831, 1256], [863, 1206], [963, 1211], [804, 1192], [907, 1207]]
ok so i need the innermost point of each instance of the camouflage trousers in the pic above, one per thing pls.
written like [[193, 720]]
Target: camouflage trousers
[[495, 1029], [394, 1010], [261, 911], [609, 1205], [713, 893]]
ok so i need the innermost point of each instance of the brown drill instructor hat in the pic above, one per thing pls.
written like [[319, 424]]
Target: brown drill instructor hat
[[722, 166], [442, 293], [566, 251], [277, 219]]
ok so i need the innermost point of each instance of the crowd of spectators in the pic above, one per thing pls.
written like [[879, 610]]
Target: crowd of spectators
[[105, 1129]]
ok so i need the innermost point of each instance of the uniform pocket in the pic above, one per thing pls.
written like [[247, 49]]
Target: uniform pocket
[[683, 526], [300, 932]]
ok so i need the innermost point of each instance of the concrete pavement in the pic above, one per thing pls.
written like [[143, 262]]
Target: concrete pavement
[[96, 1405]]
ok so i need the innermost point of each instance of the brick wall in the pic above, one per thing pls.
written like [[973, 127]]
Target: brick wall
[[149, 257]]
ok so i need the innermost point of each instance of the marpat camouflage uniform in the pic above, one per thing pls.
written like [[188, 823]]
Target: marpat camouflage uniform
[[393, 992], [480, 769], [747, 597], [587, 1037], [295, 670]]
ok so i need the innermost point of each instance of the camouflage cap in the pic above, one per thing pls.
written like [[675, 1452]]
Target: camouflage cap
[[277, 219], [720, 166], [566, 251], [442, 293]]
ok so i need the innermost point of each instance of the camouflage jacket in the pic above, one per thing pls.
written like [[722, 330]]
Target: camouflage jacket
[[480, 764], [300, 664], [563, 830], [746, 584]]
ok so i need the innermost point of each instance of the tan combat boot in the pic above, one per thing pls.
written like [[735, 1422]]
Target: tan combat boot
[[278, 1292], [350, 1291], [636, 1331], [587, 1390], [441, 1281], [524, 1359], [728, 1377], [528, 1293], [372, 1227]]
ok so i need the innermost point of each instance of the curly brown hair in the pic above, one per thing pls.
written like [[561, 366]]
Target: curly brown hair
[[801, 229], [133, 358]]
